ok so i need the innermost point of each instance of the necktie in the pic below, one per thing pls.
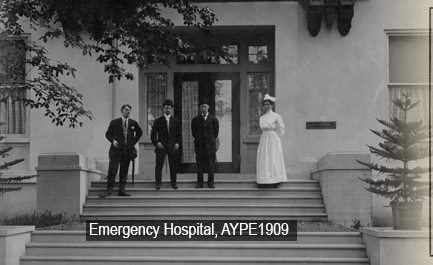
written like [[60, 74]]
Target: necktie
[[125, 129], [167, 120]]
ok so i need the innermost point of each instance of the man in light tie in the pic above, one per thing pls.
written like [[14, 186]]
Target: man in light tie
[[166, 136], [123, 133]]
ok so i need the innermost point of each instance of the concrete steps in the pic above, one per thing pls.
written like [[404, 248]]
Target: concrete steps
[[199, 216], [110, 260], [218, 191], [236, 196], [221, 176], [70, 247], [303, 237], [233, 183], [204, 199], [232, 208], [187, 249]]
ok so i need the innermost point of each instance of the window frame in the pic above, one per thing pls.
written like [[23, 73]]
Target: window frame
[[389, 84], [21, 138], [146, 114]]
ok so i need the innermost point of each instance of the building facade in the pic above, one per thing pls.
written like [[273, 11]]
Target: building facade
[[261, 47]]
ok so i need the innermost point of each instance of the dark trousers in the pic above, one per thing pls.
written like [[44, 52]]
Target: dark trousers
[[206, 163], [113, 166], [172, 161]]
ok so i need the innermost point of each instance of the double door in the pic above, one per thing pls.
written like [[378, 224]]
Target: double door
[[222, 91]]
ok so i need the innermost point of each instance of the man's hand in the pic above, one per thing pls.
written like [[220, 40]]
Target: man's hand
[[160, 146], [115, 143], [176, 146]]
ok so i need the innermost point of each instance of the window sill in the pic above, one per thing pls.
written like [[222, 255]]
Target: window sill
[[10, 139]]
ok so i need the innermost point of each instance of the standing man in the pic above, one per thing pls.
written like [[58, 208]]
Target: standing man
[[205, 128], [123, 133], [166, 136]]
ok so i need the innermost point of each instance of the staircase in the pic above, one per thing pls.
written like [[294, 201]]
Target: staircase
[[70, 247], [235, 197]]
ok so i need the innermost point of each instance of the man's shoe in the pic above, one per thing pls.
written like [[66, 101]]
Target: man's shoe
[[107, 193], [211, 186], [199, 186], [175, 187], [158, 187], [123, 193]]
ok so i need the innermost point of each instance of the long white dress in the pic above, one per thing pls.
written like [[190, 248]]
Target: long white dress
[[270, 160]]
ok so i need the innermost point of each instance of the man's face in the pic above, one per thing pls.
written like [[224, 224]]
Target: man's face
[[204, 108], [126, 112], [167, 109]]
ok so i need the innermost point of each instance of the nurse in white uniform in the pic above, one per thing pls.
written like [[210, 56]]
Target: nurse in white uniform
[[270, 161]]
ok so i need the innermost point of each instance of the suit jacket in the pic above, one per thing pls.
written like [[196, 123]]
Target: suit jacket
[[167, 138], [115, 132], [205, 133]]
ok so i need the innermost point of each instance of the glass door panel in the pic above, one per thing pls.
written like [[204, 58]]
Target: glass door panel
[[222, 90], [223, 112], [189, 111]]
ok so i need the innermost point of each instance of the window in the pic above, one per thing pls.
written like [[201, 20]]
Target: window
[[408, 72], [156, 93], [224, 54], [257, 54], [12, 79], [257, 88]]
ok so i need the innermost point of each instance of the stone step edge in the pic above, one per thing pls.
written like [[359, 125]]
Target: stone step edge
[[232, 175], [195, 258], [220, 245], [158, 205], [201, 213], [309, 234], [207, 197], [104, 181], [214, 190]]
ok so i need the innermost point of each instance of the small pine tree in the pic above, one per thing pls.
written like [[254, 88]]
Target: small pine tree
[[402, 143], [4, 182]]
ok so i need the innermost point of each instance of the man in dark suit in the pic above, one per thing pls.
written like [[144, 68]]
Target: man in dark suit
[[123, 133], [166, 136], [205, 128]]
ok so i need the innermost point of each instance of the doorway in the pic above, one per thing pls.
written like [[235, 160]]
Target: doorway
[[222, 91]]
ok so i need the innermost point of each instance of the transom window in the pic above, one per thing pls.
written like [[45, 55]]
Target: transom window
[[224, 54], [257, 54]]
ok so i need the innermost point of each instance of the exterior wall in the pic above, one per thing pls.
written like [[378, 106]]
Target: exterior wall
[[21, 202], [344, 79], [315, 77], [328, 77]]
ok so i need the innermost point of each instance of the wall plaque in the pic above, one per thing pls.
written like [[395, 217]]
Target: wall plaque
[[321, 125]]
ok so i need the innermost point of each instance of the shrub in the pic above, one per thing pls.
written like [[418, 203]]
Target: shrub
[[39, 219]]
